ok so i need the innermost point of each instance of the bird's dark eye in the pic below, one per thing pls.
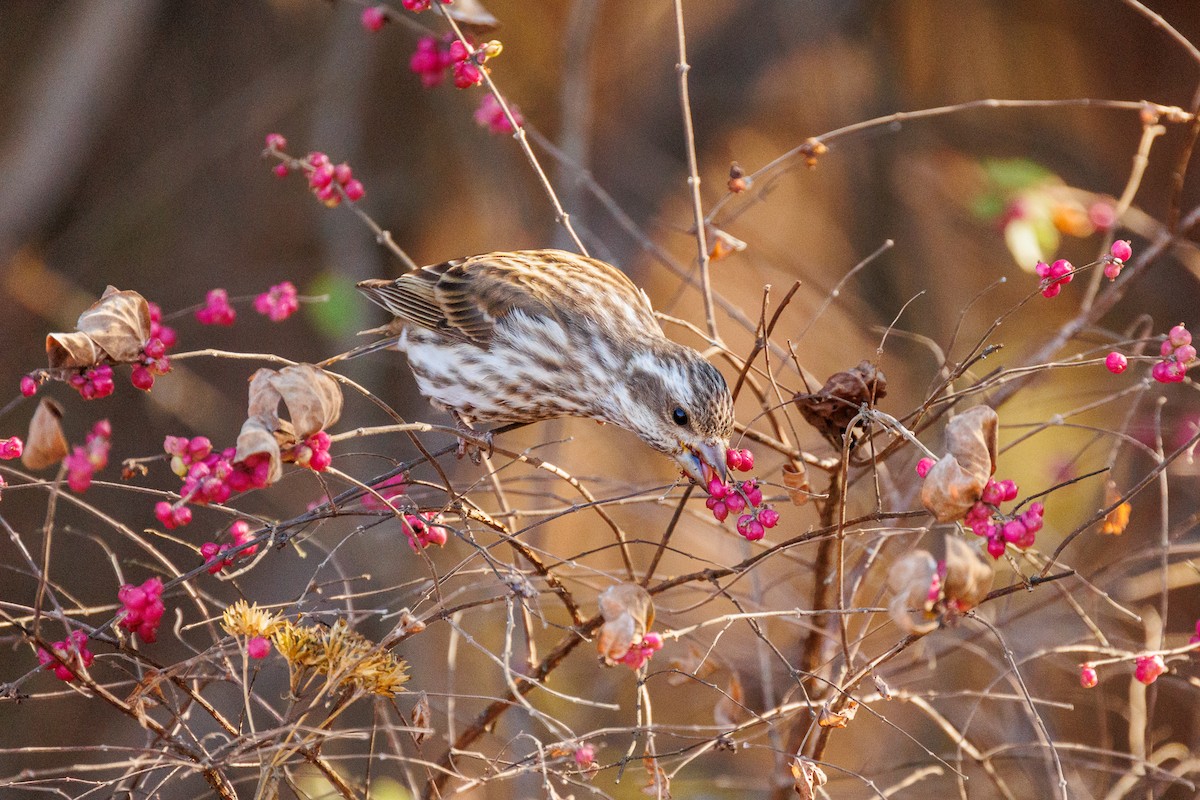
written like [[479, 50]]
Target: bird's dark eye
[[679, 416]]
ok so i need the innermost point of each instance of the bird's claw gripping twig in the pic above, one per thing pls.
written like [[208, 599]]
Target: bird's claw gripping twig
[[469, 441]]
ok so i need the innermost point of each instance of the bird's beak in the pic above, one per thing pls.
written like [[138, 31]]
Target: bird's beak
[[704, 461]]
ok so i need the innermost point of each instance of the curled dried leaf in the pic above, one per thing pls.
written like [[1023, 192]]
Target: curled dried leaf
[[628, 613], [831, 409], [956, 481], [723, 244], [46, 445], [808, 777], [1116, 520], [115, 328], [913, 580], [70, 350], [968, 576], [795, 480], [313, 399], [421, 718], [119, 322], [258, 436], [840, 718]]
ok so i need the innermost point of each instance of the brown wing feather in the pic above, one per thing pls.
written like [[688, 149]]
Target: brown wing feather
[[466, 298]]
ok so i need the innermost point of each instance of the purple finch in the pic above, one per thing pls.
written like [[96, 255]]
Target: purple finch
[[538, 334]]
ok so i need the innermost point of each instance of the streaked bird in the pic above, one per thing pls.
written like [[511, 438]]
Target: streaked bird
[[537, 334]]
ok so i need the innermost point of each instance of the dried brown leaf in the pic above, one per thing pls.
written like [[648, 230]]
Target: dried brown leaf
[[831, 409], [70, 350], [828, 718], [808, 777], [313, 399], [795, 480], [628, 613], [421, 717], [968, 576], [956, 481], [258, 436], [119, 322], [910, 578], [46, 445]]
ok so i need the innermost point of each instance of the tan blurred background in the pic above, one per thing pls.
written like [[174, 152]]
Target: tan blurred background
[[130, 136]]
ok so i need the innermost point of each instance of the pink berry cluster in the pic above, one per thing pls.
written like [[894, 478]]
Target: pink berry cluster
[[391, 488], [93, 382], [282, 300], [164, 333], [215, 554], [74, 645], [216, 309], [1054, 276], [328, 182], [490, 115], [87, 459], [639, 654], [1178, 355], [313, 452], [1118, 254], [11, 448], [154, 362], [423, 531], [735, 497], [984, 519], [434, 56], [209, 476], [142, 608]]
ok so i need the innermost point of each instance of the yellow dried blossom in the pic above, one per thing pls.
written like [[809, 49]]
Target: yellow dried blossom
[[248, 620]]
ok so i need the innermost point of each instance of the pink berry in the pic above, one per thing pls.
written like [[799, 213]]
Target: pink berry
[[28, 386], [1112, 269], [321, 176], [735, 502], [1185, 354], [717, 489], [467, 75], [719, 510], [142, 378], [1121, 250], [1148, 668], [258, 647], [1009, 490], [733, 458], [281, 170], [458, 51], [1063, 270], [747, 460], [768, 516], [416, 6], [585, 755], [995, 546], [1179, 336], [374, 18], [1088, 677], [993, 494], [1014, 531], [1116, 363], [924, 465], [275, 141], [354, 190], [1042, 269], [1159, 372], [1052, 290]]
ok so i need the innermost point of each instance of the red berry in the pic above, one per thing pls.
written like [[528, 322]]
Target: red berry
[[258, 647], [29, 386], [142, 378], [1121, 250], [1116, 363], [281, 170], [354, 190], [924, 465]]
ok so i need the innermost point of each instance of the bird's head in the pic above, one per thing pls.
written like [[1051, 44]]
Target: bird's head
[[680, 405]]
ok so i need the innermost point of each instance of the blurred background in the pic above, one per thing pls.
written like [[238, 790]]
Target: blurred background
[[130, 143]]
